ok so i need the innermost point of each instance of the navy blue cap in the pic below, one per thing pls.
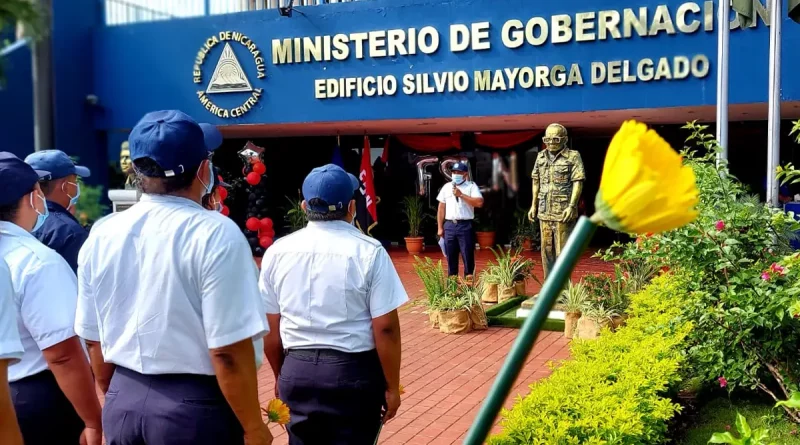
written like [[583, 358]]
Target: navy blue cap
[[331, 184], [16, 178], [459, 167], [171, 139], [57, 163], [212, 136]]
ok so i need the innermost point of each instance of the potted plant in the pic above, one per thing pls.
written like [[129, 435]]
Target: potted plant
[[414, 211], [593, 319], [472, 293], [526, 233], [434, 281], [489, 281], [510, 268], [454, 308], [295, 218], [484, 230], [572, 301]]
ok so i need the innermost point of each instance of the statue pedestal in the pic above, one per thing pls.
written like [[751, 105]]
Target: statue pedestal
[[527, 306], [123, 199]]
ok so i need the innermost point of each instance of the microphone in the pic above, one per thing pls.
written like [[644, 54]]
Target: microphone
[[454, 187]]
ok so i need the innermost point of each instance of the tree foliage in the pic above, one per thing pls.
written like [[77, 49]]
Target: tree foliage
[[26, 16]]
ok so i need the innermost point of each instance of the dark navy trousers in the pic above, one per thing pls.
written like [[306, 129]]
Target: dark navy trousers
[[45, 415], [168, 409], [335, 398], [459, 238]]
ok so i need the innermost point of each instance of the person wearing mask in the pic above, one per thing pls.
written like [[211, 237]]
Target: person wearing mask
[[60, 231], [332, 295], [168, 302], [457, 202], [10, 353], [51, 387]]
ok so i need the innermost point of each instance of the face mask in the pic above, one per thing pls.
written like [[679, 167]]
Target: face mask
[[210, 185], [73, 200], [217, 204], [458, 179], [41, 217]]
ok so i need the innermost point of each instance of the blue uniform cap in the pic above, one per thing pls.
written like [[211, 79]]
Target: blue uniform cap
[[172, 139], [57, 163], [459, 167], [16, 178], [331, 184], [212, 136]]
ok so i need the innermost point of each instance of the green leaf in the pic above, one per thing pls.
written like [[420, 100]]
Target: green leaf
[[724, 438], [793, 402], [742, 427]]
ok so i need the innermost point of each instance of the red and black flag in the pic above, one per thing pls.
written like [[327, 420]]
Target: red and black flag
[[366, 210]]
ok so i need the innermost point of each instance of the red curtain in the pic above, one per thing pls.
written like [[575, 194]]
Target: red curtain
[[504, 140], [431, 144]]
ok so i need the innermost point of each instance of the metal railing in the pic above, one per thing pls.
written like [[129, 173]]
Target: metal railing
[[123, 12]]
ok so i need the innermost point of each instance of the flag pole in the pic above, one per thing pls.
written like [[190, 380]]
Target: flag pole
[[723, 52], [774, 117]]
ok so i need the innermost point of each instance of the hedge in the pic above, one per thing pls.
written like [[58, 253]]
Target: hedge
[[614, 389]]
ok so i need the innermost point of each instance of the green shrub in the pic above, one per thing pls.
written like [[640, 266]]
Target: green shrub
[[613, 390], [741, 297]]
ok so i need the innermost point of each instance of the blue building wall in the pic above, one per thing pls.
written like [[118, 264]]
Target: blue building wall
[[16, 103], [150, 66]]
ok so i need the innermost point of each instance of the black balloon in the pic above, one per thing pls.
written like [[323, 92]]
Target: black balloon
[[258, 251], [253, 241], [260, 203]]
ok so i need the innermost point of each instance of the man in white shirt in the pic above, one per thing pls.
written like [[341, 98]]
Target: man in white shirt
[[10, 352], [51, 387], [332, 295], [457, 202], [168, 302]]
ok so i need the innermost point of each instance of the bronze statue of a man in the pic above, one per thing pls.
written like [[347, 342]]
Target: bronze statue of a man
[[558, 177], [127, 166]]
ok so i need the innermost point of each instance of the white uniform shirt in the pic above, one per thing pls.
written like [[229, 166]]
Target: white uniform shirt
[[10, 344], [163, 282], [458, 208], [45, 292], [328, 281]]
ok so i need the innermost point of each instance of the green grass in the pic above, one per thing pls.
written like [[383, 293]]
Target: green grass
[[719, 413]]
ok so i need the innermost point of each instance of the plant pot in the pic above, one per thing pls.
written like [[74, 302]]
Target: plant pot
[[519, 287], [527, 244], [489, 293], [455, 322], [589, 328], [618, 321], [485, 239], [571, 323], [433, 317], [478, 318], [414, 244], [505, 293]]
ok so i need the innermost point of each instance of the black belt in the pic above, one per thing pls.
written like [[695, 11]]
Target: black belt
[[325, 353], [459, 221]]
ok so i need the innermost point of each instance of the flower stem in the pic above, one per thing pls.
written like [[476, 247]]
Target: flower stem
[[553, 285]]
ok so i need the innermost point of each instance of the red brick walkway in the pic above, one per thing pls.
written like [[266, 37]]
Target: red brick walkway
[[447, 376]]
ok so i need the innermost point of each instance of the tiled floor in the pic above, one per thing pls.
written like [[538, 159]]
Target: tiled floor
[[447, 376]]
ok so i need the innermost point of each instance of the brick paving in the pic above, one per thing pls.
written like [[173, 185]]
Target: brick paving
[[446, 377]]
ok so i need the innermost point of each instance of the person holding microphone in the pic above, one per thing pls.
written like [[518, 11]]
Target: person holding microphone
[[457, 202]]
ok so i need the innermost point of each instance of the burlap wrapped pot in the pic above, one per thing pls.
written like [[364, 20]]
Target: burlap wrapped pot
[[455, 322]]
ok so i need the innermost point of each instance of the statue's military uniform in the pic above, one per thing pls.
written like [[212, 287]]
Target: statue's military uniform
[[556, 175]]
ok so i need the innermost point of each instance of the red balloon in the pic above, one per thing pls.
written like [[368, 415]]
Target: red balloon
[[219, 178], [223, 192], [252, 224], [266, 224], [225, 210], [265, 241], [259, 168], [267, 232], [253, 178]]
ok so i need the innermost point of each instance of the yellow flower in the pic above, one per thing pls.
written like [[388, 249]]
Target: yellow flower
[[402, 390], [277, 412], [645, 188]]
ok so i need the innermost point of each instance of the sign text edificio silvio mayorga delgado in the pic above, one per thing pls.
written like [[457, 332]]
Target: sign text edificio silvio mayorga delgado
[[642, 22]]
